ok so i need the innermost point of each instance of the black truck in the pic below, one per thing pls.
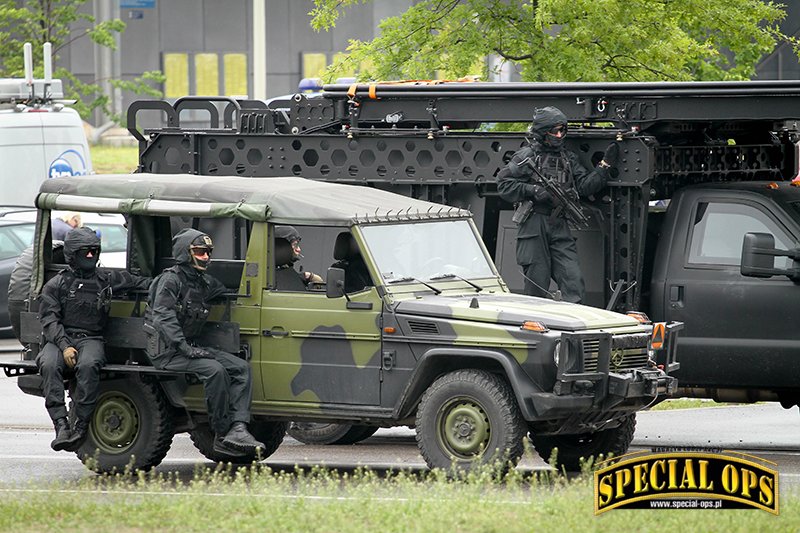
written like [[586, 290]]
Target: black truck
[[699, 224]]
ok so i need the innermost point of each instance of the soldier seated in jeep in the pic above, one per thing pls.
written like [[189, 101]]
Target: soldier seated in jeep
[[178, 307], [288, 252]]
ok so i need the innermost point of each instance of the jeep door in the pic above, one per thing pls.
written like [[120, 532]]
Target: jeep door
[[314, 349]]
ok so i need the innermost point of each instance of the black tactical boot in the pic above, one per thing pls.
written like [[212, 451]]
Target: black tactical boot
[[240, 439], [63, 435], [79, 433]]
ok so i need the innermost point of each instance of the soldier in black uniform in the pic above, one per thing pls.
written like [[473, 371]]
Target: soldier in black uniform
[[545, 246], [73, 312], [178, 306], [287, 253]]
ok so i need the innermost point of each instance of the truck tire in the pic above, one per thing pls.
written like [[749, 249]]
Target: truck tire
[[321, 433], [467, 419], [269, 433], [573, 448], [131, 427]]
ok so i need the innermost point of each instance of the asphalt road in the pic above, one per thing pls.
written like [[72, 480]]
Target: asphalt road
[[765, 430]]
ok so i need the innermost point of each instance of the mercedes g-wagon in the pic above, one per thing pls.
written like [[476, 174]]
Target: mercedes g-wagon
[[429, 337]]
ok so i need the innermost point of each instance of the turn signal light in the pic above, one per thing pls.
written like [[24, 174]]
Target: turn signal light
[[772, 185], [389, 330], [532, 325], [638, 315], [659, 332]]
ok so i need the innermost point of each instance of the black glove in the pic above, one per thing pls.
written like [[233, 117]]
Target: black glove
[[612, 154], [541, 196], [199, 353]]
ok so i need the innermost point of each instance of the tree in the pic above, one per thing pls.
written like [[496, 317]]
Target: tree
[[60, 22], [565, 40]]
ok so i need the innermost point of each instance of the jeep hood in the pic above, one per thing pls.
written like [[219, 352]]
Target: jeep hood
[[514, 309]]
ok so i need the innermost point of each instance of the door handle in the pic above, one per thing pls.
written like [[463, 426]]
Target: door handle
[[274, 333], [676, 295]]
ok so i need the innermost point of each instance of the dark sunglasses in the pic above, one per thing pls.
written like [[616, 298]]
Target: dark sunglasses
[[94, 250], [558, 130], [201, 251]]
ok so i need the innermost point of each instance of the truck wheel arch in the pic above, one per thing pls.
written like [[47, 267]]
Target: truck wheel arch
[[438, 361]]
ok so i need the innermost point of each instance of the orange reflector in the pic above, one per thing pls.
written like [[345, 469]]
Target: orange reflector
[[389, 329], [638, 315], [795, 182], [772, 185], [531, 325], [659, 331]]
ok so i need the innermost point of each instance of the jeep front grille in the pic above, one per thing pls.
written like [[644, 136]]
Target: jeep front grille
[[627, 352]]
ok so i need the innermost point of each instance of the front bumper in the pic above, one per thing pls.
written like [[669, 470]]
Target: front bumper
[[610, 377]]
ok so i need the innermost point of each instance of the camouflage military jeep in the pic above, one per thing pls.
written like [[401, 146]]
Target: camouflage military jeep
[[413, 326]]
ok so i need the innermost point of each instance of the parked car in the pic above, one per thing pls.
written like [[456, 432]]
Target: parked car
[[15, 236], [112, 228]]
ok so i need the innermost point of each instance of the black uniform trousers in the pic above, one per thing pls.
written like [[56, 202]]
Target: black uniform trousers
[[550, 252], [227, 384], [91, 358]]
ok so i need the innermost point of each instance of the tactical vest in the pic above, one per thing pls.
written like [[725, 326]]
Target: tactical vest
[[556, 166], [191, 309], [88, 302]]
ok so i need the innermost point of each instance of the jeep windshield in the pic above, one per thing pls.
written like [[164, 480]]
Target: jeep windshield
[[426, 250]]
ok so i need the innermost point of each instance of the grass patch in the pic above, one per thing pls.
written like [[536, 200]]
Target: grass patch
[[114, 159], [688, 403], [259, 499]]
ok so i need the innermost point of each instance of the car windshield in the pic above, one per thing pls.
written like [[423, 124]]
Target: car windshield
[[113, 237], [14, 239], [426, 250]]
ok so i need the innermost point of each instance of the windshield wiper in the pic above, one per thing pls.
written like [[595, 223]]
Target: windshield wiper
[[477, 287], [436, 291]]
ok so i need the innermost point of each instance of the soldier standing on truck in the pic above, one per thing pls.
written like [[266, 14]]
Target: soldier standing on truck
[[545, 245], [73, 312], [178, 306]]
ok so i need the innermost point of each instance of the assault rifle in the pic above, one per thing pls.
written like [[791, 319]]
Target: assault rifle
[[563, 201]]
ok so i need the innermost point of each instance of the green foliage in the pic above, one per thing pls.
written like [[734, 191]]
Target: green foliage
[[60, 22], [565, 40], [262, 500]]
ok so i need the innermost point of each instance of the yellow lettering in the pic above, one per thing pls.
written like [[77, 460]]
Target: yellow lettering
[[749, 480], [767, 496], [673, 475], [623, 480], [605, 490], [657, 465], [730, 479], [640, 478], [704, 483], [687, 480]]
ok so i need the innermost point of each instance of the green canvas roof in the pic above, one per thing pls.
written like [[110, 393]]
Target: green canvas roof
[[290, 200]]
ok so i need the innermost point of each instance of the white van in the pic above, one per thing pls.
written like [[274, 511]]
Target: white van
[[40, 137]]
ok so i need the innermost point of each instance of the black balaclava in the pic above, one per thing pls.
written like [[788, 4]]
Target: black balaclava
[[544, 120], [77, 245]]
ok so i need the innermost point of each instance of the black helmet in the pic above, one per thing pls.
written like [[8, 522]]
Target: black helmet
[[287, 232], [201, 243]]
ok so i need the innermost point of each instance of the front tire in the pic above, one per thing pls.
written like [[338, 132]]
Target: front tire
[[469, 418], [130, 428], [267, 432], [572, 449]]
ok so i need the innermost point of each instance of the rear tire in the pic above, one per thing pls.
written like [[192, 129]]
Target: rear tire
[[131, 427], [467, 419], [267, 432], [322, 433], [573, 448]]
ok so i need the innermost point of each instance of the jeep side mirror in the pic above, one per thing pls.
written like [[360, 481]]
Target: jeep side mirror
[[334, 287], [758, 257]]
